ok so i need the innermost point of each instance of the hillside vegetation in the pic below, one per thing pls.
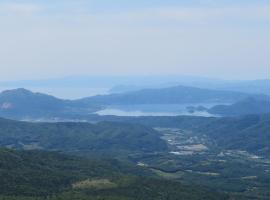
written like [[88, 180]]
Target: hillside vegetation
[[103, 137], [249, 133], [36, 175]]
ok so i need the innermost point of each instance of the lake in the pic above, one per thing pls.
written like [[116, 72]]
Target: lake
[[155, 110]]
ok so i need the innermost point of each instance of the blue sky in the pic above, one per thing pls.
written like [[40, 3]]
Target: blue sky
[[46, 39]]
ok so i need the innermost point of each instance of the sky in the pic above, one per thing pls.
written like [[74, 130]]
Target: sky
[[56, 38]]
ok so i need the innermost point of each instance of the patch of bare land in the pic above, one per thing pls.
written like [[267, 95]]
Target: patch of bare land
[[94, 184], [183, 142]]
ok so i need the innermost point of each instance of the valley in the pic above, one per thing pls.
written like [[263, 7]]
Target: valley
[[199, 160], [180, 149]]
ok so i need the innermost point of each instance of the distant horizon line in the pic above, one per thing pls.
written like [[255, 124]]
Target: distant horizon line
[[96, 76]]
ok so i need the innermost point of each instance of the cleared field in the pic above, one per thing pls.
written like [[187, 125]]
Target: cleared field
[[94, 184]]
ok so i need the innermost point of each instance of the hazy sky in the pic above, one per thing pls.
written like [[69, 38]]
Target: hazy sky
[[51, 38]]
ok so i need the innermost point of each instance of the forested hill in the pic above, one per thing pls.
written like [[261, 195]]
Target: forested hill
[[22, 103], [38, 175], [103, 137], [250, 133], [251, 105]]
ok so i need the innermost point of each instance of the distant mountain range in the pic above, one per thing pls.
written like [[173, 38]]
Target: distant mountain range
[[24, 104], [171, 95], [244, 86], [79, 85], [251, 105]]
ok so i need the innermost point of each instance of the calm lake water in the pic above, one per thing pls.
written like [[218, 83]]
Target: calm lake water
[[155, 110]]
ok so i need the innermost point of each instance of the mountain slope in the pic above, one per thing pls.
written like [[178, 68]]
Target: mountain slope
[[249, 133], [38, 174], [104, 137], [42, 173], [244, 107], [22, 103]]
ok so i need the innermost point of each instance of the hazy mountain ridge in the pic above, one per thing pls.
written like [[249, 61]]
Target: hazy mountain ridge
[[251, 105], [260, 86], [23, 104], [120, 84], [172, 95]]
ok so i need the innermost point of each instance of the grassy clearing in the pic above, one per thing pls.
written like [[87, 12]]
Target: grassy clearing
[[94, 184]]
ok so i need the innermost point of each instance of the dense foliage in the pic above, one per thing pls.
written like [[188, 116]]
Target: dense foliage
[[250, 133], [36, 175], [43, 173], [103, 137]]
